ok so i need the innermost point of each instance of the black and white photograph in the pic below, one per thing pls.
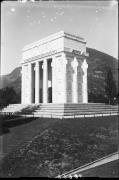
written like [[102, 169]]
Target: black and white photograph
[[59, 89]]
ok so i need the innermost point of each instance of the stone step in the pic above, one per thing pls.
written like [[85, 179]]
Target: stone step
[[77, 108], [14, 108], [75, 111], [71, 113], [74, 105], [61, 109], [68, 104], [71, 103], [62, 106], [73, 116]]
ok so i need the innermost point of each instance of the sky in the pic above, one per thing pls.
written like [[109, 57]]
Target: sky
[[26, 22]]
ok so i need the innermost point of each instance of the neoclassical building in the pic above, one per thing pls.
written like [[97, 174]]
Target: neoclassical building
[[54, 70]]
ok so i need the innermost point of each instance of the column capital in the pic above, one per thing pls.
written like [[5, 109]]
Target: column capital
[[22, 69], [29, 64], [37, 63], [84, 65], [44, 63], [75, 63], [65, 58]]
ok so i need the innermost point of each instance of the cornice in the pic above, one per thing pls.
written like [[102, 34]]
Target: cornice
[[44, 56], [68, 52]]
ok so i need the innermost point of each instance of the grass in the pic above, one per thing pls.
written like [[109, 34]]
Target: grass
[[64, 145], [17, 131]]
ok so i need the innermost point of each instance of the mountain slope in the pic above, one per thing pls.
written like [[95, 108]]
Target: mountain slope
[[98, 65], [13, 79]]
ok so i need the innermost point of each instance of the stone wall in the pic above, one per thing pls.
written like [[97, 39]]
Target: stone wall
[[59, 78]]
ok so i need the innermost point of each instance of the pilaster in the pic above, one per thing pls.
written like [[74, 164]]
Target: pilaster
[[74, 83], [84, 82], [22, 85], [59, 78], [30, 82], [64, 59], [37, 83], [45, 81]]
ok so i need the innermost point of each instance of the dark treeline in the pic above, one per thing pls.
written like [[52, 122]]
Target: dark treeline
[[9, 96]]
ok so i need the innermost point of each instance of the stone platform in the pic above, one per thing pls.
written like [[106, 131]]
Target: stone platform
[[62, 110]]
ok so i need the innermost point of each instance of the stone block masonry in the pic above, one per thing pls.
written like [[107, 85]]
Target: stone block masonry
[[54, 70]]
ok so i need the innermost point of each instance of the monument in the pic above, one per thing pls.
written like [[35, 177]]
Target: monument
[[54, 70]]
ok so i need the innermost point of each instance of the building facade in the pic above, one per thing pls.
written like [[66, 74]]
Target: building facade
[[54, 70]]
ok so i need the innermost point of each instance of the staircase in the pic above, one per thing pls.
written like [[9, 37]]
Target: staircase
[[75, 110], [62, 110], [19, 108]]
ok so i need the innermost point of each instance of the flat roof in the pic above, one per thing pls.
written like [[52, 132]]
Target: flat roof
[[53, 37]]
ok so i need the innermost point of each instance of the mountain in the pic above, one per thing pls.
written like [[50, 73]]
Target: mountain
[[13, 79], [98, 65]]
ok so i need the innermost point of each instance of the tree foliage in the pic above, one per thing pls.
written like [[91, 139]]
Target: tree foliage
[[110, 87], [97, 98], [8, 96]]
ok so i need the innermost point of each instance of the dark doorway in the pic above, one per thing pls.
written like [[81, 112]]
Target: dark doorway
[[33, 83], [41, 82]]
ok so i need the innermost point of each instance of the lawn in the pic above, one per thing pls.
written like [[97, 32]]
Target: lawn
[[49, 147], [15, 132]]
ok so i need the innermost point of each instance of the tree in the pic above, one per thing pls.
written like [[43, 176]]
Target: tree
[[7, 96], [110, 87], [97, 98]]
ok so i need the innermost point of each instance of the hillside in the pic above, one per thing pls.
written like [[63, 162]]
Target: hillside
[[98, 65], [13, 79]]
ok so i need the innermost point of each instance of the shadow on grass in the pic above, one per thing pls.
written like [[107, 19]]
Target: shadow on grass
[[4, 130], [14, 122]]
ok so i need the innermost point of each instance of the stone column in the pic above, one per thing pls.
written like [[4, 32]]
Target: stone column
[[54, 79], [64, 74], [53, 75], [74, 84], [22, 85], [45, 81], [30, 83], [37, 82], [84, 83]]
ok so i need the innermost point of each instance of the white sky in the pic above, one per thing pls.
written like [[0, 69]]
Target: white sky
[[24, 23]]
